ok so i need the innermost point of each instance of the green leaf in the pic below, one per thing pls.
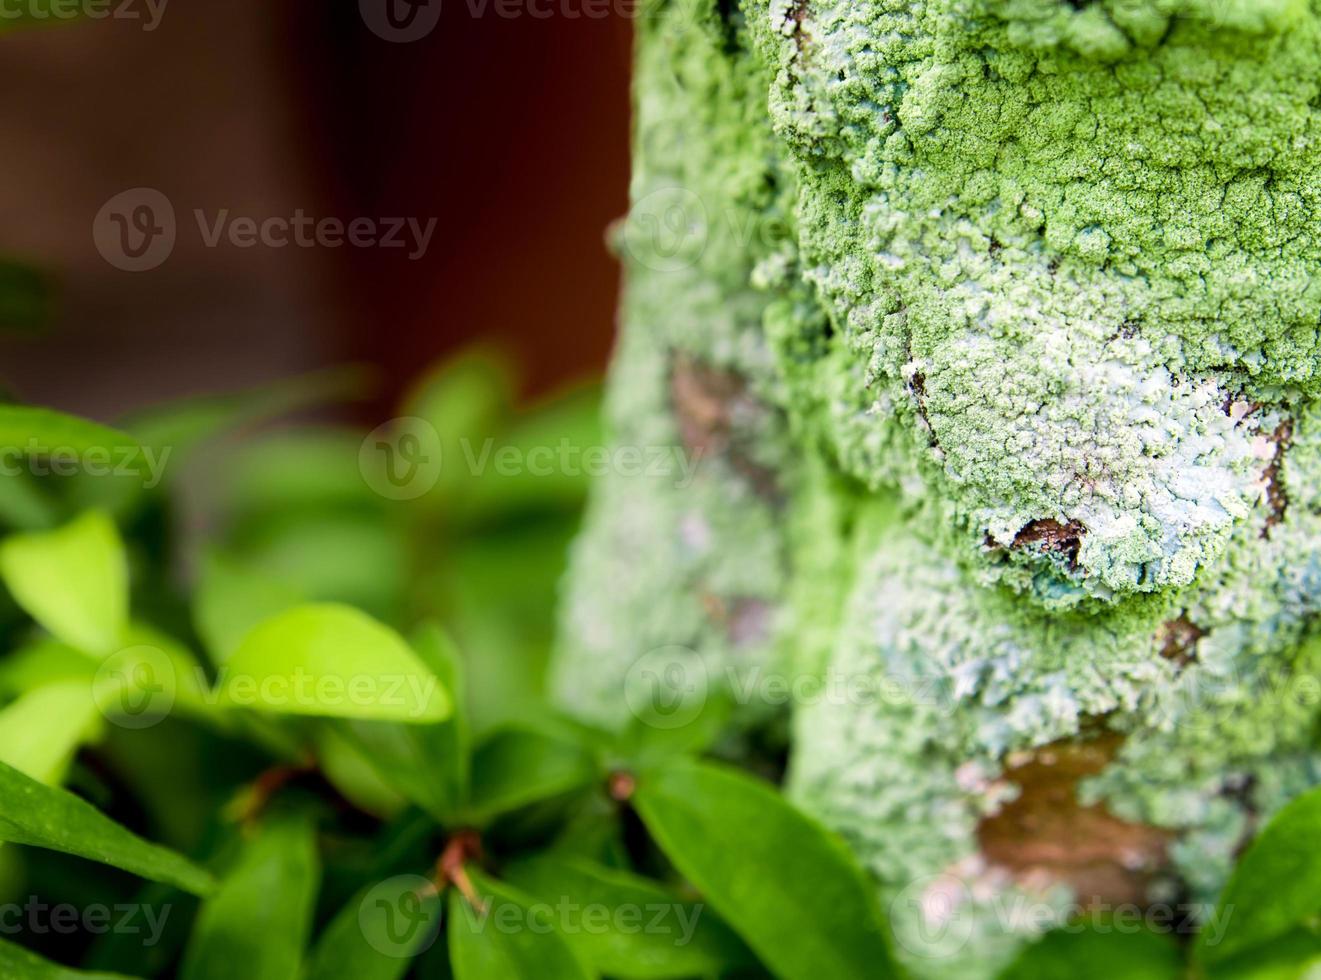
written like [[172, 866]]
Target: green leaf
[[40, 432], [428, 764], [330, 660], [1289, 957], [16, 963], [515, 768], [1097, 949], [464, 399], [256, 925], [627, 926], [40, 732], [1276, 886], [23, 505], [181, 427], [510, 937], [376, 935], [231, 600], [789, 887], [43, 662], [25, 297], [355, 773], [73, 581], [43, 816]]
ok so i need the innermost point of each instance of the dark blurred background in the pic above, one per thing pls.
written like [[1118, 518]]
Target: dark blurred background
[[511, 130]]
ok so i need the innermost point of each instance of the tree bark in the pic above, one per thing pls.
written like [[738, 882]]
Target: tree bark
[[992, 326]]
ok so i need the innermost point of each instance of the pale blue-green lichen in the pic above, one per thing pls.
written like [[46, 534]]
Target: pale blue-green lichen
[[1026, 297]]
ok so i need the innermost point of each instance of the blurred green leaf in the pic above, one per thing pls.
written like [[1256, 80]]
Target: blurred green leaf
[[43, 816], [26, 297], [30, 432], [73, 580], [630, 927], [789, 887], [515, 768], [428, 764], [182, 426], [546, 461], [510, 937], [257, 923], [45, 661], [40, 732], [336, 556], [355, 772], [22, 504], [1295, 956], [16, 963], [231, 600], [332, 661], [1276, 886], [304, 470], [1101, 951], [466, 399], [377, 934]]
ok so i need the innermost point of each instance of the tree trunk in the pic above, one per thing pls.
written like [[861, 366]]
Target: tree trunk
[[992, 327]]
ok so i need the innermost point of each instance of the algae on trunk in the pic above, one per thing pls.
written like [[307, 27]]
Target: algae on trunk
[[992, 326]]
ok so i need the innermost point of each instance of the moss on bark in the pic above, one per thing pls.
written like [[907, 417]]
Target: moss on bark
[[993, 327]]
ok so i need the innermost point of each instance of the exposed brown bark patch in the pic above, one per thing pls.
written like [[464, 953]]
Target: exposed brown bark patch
[[1178, 640], [747, 622], [708, 404], [1276, 497], [1054, 537], [1046, 836], [802, 37]]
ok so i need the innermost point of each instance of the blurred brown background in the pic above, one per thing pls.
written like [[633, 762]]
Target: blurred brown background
[[512, 131]]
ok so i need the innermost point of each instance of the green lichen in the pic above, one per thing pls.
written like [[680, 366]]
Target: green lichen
[[1026, 297]]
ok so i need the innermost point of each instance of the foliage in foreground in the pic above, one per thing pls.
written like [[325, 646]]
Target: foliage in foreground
[[308, 740]]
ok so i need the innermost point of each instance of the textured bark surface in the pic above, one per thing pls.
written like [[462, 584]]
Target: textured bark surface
[[993, 328]]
